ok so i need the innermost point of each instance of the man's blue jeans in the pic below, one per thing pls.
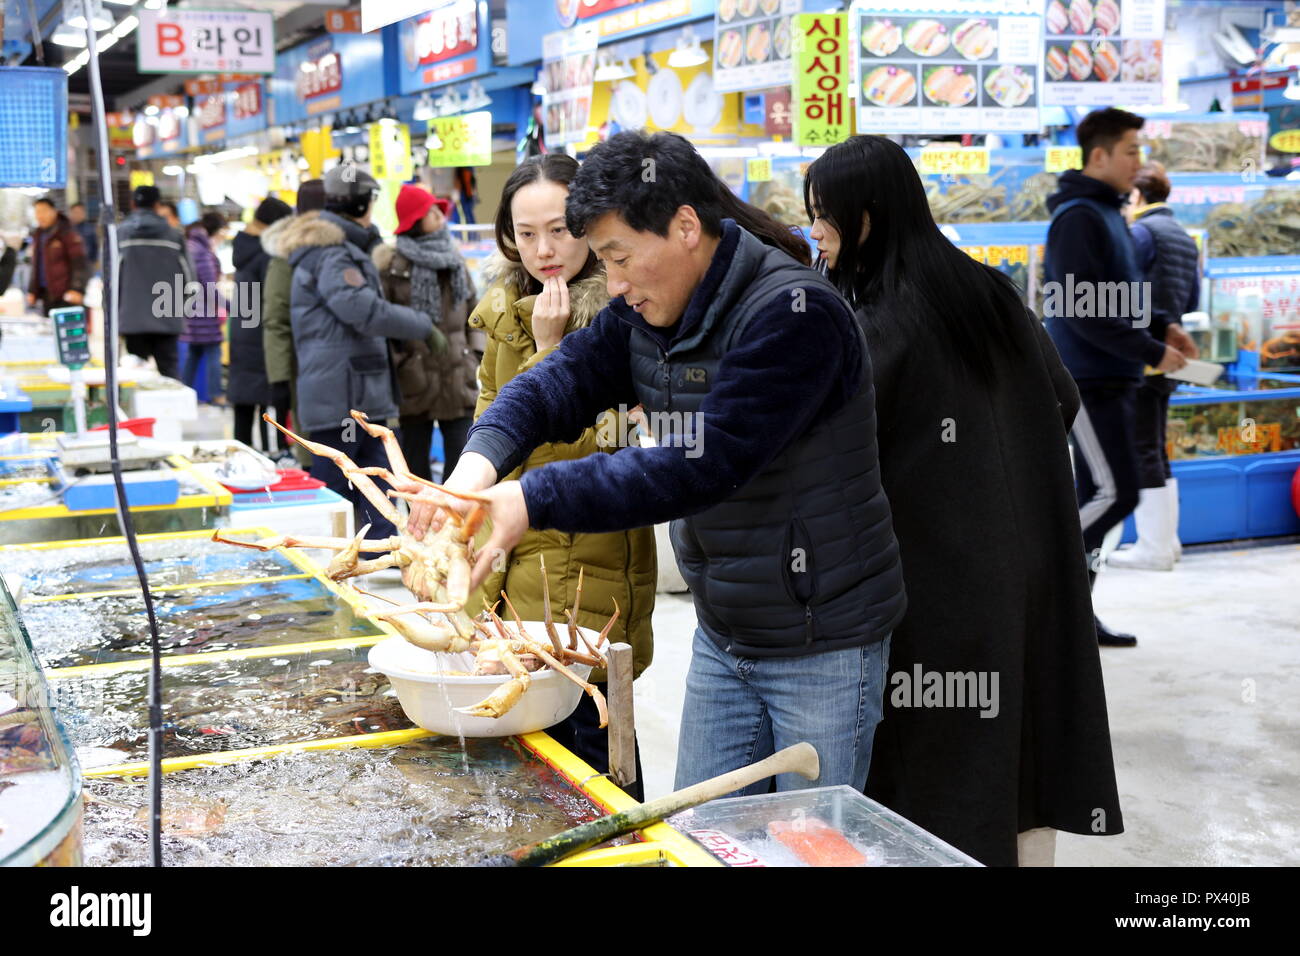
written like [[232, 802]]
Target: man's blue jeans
[[742, 709]]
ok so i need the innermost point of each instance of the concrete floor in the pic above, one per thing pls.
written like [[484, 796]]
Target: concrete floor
[[1204, 713]]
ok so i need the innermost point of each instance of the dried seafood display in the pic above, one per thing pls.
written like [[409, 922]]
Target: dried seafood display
[[1269, 226], [1206, 147]]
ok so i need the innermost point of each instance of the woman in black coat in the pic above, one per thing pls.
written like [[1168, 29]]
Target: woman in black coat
[[249, 389], [973, 407]]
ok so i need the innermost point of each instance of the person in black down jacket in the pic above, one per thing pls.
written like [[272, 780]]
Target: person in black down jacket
[[248, 390], [973, 407], [1170, 262], [153, 272], [756, 382]]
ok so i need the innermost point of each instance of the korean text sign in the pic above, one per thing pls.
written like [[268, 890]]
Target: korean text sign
[[202, 41], [963, 67], [822, 109], [464, 140]]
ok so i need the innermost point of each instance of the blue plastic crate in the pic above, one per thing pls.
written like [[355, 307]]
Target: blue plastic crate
[[33, 126]]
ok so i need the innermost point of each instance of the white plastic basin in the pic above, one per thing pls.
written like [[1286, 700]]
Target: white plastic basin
[[430, 696]]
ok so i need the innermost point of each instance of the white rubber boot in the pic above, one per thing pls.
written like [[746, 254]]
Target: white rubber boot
[[1154, 548], [1171, 486]]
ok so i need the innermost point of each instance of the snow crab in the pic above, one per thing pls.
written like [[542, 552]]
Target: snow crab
[[436, 570]]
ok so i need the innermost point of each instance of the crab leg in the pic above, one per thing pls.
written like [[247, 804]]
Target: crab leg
[[295, 541], [361, 481], [604, 631], [385, 435], [574, 633], [546, 608], [596, 656], [556, 666]]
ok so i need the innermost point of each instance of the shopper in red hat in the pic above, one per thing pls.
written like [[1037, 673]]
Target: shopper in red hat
[[436, 377]]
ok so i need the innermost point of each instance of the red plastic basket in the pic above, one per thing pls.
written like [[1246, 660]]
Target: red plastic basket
[[140, 427]]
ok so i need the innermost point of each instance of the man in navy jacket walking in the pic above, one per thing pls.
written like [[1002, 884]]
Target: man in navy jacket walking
[[1097, 311]]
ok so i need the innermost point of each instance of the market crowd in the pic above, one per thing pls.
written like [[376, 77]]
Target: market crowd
[[882, 488]]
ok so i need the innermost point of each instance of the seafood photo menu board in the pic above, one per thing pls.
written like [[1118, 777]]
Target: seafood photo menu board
[[751, 48], [568, 70], [1103, 52], [949, 67]]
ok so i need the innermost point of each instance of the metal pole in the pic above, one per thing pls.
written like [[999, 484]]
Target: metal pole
[[109, 270]]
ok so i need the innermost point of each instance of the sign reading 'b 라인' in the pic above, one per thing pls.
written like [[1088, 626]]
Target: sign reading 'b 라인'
[[206, 41]]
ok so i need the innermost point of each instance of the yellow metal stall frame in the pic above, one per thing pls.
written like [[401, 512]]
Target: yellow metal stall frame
[[659, 844]]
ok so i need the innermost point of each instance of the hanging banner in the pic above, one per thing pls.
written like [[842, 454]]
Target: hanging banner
[[311, 79], [918, 71], [448, 43], [752, 41], [528, 22], [464, 140], [822, 107], [390, 150], [199, 41], [568, 68], [1104, 53]]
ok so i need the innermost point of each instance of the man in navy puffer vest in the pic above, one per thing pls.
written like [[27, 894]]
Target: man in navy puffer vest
[[1097, 310], [766, 466]]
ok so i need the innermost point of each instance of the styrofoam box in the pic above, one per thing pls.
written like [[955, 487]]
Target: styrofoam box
[[170, 406], [312, 511]]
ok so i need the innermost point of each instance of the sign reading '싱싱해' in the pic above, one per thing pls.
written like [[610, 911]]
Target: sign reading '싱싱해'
[[203, 41], [822, 108]]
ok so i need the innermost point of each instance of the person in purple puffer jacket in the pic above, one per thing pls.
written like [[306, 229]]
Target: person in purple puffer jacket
[[204, 314]]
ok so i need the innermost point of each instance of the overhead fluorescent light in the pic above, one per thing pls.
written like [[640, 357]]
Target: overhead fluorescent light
[[65, 35], [689, 52], [126, 26], [172, 170], [608, 71], [121, 3], [104, 42], [98, 18]]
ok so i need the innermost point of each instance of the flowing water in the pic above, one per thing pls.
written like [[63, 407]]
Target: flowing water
[[98, 630], [404, 806]]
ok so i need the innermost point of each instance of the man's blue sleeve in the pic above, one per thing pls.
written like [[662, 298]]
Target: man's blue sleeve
[[768, 391]]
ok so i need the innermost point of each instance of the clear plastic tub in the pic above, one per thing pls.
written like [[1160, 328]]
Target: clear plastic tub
[[825, 826]]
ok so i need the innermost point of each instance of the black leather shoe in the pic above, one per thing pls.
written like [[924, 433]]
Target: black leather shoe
[[1108, 638]]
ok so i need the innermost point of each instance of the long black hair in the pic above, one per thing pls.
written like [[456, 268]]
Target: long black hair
[[553, 168], [906, 263], [646, 178]]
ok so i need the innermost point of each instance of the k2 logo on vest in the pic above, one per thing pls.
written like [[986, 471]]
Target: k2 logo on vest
[[696, 375], [74, 909]]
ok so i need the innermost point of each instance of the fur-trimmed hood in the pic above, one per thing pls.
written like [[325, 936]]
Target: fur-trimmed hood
[[586, 296], [284, 238]]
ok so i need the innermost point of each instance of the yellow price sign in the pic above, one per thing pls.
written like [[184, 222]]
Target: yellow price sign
[[1287, 141], [390, 150], [963, 160], [141, 177], [1061, 158], [464, 140], [758, 170]]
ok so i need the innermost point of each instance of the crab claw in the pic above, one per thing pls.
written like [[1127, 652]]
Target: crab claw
[[499, 702], [344, 563]]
